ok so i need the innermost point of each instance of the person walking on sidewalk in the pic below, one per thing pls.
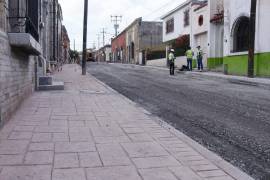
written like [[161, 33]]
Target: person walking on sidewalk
[[200, 58], [171, 61], [189, 55]]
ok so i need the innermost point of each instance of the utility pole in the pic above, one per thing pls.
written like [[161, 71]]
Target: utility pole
[[252, 34], [116, 20], [98, 40], [103, 36], [74, 45], [84, 36]]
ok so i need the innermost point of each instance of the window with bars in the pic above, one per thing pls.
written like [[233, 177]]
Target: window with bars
[[23, 17], [170, 26], [186, 18]]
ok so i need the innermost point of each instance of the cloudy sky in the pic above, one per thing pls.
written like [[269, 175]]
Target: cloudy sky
[[100, 12]]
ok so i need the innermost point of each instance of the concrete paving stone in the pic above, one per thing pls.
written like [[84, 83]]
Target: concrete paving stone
[[144, 149], [41, 147], [69, 147], [162, 134], [233, 171], [113, 155], [142, 137], [212, 173], [39, 158], [184, 173], [26, 173], [13, 147], [112, 173], [191, 153], [207, 167], [189, 158], [93, 123], [79, 129], [220, 178], [20, 135], [157, 174], [42, 137], [50, 129], [198, 163], [167, 139], [107, 131], [110, 140], [89, 159], [127, 124], [66, 160], [107, 123], [76, 123], [80, 137], [58, 123], [6, 160], [155, 162], [68, 174], [33, 123], [56, 118], [4, 135], [101, 114], [133, 130], [24, 128], [82, 118], [179, 150], [60, 137]]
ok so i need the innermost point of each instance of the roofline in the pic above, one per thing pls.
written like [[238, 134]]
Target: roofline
[[176, 9]]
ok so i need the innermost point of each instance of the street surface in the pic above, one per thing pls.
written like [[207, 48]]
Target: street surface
[[232, 120]]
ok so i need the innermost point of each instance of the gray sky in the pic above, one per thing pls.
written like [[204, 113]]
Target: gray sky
[[100, 12]]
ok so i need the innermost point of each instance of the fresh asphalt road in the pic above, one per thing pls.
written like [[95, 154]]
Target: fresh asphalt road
[[232, 120]]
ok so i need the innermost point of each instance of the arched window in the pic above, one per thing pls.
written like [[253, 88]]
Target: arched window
[[240, 34]]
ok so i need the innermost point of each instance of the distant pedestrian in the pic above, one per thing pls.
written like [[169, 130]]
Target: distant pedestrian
[[189, 55], [171, 61], [200, 58]]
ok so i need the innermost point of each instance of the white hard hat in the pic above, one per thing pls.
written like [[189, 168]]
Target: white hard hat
[[172, 50]]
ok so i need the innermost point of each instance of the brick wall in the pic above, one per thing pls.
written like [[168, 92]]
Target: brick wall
[[16, 75]]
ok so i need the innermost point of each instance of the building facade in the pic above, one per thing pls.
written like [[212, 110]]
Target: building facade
[[25, 49], [190, 19], [104, 54], [19, 51], [118, 46], [142, 36], [66, 45]]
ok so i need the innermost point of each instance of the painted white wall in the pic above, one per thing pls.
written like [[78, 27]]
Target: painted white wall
[[215, 31], [179, 28], [179, 62], [108, 51], [235, 9], [199, 34]]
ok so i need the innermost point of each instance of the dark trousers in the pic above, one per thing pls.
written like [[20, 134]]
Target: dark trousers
[[171, 68], [189, 64], [200, 64]]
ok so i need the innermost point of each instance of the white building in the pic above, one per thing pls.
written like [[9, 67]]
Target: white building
[[229, 37], [221, 28], [190, 18]]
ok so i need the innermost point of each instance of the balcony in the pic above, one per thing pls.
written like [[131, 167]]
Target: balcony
[[23, 31]]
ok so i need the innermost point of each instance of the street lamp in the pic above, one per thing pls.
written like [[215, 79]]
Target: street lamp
[[84, 37]]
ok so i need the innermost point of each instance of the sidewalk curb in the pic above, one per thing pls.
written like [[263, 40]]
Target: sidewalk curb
[[211, 156], [259, 82]]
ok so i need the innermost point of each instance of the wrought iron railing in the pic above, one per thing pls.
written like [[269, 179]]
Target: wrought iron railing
[[23, 25]]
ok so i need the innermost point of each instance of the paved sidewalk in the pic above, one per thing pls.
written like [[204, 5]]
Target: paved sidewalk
[[90, 132]]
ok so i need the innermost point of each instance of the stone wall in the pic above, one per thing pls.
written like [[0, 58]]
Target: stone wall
[[16, 75]]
